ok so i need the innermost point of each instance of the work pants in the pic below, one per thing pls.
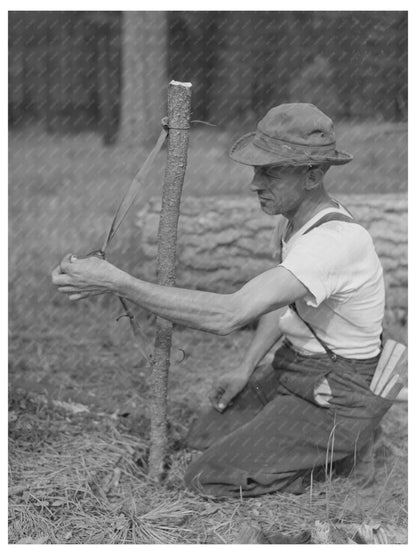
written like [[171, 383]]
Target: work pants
[[280, 428]]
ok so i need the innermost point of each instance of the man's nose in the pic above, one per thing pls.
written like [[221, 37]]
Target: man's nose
[[257, 182]]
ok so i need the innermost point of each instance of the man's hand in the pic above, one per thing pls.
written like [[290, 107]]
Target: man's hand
[[227, 387], [84, 277]]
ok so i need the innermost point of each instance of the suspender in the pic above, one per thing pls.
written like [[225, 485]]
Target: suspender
[[328, 351], [332, 216]]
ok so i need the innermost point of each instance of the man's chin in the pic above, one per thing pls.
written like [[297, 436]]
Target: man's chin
[[267, 209]]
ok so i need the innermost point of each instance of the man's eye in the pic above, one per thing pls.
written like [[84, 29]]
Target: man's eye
[[271, 173]]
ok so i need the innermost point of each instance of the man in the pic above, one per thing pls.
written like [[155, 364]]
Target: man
[[274, 424]]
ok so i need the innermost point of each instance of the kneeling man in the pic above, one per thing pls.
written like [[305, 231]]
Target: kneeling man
[[271, 425]]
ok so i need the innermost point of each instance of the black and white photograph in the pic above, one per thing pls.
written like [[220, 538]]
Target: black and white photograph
[[208, 276]]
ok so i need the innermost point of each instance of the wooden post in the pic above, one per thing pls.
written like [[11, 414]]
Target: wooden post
[[179, 108]]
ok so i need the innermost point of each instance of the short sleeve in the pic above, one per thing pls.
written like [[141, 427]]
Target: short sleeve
[[320, 260]]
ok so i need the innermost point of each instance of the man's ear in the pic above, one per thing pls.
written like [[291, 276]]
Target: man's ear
[[314, 178]]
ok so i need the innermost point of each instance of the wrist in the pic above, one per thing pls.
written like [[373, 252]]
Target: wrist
[[119, 284]]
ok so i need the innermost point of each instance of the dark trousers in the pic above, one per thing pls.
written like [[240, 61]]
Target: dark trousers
[[276, 431]]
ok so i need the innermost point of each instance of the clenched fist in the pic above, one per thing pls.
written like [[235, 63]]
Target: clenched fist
[[227, 387]]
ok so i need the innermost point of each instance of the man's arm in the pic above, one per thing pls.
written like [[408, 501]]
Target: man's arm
[[212, 312], [234, 381], [266, 335]]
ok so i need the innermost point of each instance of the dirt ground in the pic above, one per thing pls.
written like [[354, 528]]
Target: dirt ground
[[78, 393]]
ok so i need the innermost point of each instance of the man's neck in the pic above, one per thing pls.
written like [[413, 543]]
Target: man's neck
[[310, 206]]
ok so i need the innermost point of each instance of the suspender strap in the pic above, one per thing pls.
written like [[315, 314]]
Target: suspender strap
[[327, 218], [332, 216], [328, 351]]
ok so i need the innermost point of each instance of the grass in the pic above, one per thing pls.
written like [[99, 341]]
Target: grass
[[78, 393], [78, 478]]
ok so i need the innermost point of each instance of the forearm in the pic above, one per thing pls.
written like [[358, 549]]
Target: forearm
[[267, 333], [212, 312]]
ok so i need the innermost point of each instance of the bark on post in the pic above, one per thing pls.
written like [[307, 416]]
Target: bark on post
[[179, 108]]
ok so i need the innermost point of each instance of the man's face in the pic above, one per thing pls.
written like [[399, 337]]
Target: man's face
[[280, 190]]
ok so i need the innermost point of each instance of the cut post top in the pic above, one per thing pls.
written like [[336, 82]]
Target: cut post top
[[180, 84]]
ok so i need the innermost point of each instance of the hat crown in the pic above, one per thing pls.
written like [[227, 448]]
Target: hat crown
[[298, 123], [296, 134]]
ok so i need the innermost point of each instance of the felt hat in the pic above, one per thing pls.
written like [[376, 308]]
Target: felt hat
[[297, 134]]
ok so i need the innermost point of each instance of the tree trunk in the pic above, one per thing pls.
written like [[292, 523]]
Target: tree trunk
[[179, 108], [108, 77], [144, 38]]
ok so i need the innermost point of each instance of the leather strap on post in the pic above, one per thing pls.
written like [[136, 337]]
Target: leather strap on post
[[136, 186], [138, 183]]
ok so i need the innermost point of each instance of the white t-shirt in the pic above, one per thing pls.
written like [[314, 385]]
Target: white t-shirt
[[338, 264]]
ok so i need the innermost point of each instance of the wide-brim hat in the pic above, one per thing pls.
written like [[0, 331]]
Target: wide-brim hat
[[297, 134]]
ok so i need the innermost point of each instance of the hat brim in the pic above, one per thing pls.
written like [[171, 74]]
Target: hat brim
[[245, 152]]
